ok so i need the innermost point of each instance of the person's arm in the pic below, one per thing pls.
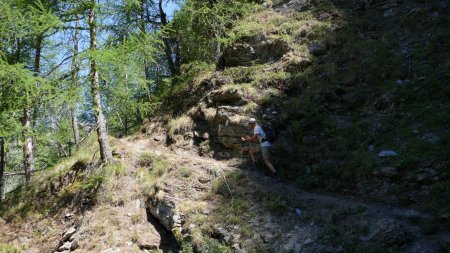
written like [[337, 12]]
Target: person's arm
[[253, 138], [256, 135]]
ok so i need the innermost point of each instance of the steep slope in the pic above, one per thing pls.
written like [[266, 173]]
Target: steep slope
[[341, 81], [225, 206], [160, 199], [83, 206], [357, 92]]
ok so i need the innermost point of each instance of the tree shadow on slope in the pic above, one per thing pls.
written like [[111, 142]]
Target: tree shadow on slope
[[371, 81], [369, 85]]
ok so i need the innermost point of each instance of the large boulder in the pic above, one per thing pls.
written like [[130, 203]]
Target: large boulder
[[230, 126], [163, 207], [253, 50]]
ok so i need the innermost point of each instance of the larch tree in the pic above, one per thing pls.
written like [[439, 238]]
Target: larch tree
[[173, 68], [2, 167], [102, 135], [43, 20], [74, 73]]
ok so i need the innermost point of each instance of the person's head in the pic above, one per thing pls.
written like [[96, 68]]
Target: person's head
[[252, 123]]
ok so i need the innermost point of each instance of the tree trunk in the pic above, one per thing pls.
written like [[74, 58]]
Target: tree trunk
[[166, 41], [2, 167], [28, 155], [125, 125], [146, 66], [105, 152], [28, 146], [76, 133]]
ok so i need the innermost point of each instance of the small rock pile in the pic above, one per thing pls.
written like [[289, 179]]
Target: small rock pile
[[67, 243]]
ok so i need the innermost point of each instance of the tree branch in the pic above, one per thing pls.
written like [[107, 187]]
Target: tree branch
[[57, 66]]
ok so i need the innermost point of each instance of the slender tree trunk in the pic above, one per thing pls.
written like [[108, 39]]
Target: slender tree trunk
[[166, 41], [28, 155], [2, 167], [105, 152], [177, 55], [218, 49], [125, 125], [146, 66], [76, 133], [28, 146]]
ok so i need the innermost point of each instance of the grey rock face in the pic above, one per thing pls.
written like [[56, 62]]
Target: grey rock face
[[317, 48], [68, 233], [65, 246], [248, 51], [163, 210], [111, 250], [227, 97]]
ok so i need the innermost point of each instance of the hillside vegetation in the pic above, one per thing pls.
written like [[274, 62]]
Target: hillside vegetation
[[341, 82], [357, 92]]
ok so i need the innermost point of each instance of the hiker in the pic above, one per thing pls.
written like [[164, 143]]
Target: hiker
[[259, 136]]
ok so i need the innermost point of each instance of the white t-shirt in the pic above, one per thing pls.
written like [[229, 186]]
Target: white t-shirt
[[261, 135]]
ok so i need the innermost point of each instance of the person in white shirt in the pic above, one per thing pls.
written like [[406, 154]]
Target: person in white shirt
[[264, 146]]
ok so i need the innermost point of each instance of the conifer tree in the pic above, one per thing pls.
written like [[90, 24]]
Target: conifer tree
[[2, 167], [74, 72], [105, 152]]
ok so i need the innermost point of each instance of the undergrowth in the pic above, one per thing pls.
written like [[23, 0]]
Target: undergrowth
[[6, 248]]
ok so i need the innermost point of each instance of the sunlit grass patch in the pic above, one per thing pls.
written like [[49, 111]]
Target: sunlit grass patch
[[150, 176], [7, 248], [179, 126]]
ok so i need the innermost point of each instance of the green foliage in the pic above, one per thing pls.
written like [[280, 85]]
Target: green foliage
[[18, 90], [54, 188], [185, 171], [213, 246], [41, 17], [186, 247], [201, 27], [154, 169], [145, 160], [128, 93], [6, 248]]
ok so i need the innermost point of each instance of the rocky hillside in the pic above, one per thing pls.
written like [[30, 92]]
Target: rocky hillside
[[356, 89], [357, 92], [155, 198]]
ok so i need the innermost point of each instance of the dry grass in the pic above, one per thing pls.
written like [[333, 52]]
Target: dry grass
[[180, 126]]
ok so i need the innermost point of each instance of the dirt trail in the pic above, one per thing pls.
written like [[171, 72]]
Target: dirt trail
[[120, 221], [376, 213], [274, 185]]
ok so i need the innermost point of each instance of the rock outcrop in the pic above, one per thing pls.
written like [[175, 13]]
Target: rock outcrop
[[252, 50]]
